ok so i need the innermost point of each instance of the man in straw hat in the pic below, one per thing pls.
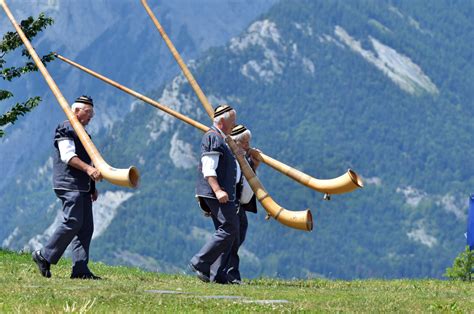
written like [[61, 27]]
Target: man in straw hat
[[74, 184], [218, 175]]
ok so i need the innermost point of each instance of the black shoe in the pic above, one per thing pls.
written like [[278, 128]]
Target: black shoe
[[43, 264], [202, 276], [85, 276], [236, 282]]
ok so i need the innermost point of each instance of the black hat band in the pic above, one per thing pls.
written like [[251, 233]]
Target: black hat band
[[85, 100], [220, 110], [238, 129]]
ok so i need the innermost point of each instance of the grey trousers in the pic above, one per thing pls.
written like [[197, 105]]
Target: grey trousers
[[232, 267], [213, 256], [75, 229]]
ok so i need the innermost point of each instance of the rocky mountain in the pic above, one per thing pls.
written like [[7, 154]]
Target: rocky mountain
[[381, 87]]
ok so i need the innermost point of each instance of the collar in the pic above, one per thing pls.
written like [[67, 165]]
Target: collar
[[215, 128]]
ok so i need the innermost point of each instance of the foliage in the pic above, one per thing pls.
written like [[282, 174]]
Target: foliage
[[10, 42], [130, 290], [463, 266]]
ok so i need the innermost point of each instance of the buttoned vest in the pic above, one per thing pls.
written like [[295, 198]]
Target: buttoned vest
[[66, 177], [214, 143]]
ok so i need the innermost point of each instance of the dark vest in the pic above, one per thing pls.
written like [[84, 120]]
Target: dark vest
[[66, 177], [214, 142]]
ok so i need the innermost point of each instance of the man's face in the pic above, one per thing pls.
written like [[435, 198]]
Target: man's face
[[244, 142], [85, 114]]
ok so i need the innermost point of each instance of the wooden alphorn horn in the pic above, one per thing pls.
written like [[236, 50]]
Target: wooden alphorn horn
[[342, 184], [302, 220], [123, 177]]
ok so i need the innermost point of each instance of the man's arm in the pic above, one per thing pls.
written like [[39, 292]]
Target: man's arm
[[209, 166], [221, 195], [91, 171], [67, 152]]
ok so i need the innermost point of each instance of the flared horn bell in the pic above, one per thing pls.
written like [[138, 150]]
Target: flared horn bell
[[302, 220], [123, 177]]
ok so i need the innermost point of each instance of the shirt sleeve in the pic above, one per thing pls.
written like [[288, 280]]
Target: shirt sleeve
[[211, 144], [239, 172], [209, 165], [247, 192], [67, 150]]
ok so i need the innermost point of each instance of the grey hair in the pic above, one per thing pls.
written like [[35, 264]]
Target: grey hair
[[225, 116], [240, 136], [77, 105]]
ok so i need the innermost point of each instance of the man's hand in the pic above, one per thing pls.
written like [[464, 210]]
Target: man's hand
[[255, 161], [94, 173], [95, 195], [222, 196], [241, 151]]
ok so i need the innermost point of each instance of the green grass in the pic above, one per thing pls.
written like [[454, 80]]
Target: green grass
[[22, 289]]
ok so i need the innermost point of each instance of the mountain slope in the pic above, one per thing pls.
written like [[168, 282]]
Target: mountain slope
[[381, 88]]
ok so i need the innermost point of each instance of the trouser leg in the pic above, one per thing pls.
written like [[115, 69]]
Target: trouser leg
[[69, 227], [220, 266], [233, 270], [219, 245], [81, 242]]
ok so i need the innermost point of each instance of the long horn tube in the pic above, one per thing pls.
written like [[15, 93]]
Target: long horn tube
[[123, 177], [135, 94], [182, 65], [342, 184], [302, 220]]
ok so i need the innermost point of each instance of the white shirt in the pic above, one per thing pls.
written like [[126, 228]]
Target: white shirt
[[67, 150], [211, 161], [247, 192]]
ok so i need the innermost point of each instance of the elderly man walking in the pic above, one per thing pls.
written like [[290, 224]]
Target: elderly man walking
[[246, 202], [74, 184], [218, 175]]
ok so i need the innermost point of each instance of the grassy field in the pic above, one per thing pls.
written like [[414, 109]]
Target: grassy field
[[123, 289]]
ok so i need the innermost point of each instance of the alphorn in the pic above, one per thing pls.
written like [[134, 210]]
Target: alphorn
[[302, 220], [123, 177], [342, 184]]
